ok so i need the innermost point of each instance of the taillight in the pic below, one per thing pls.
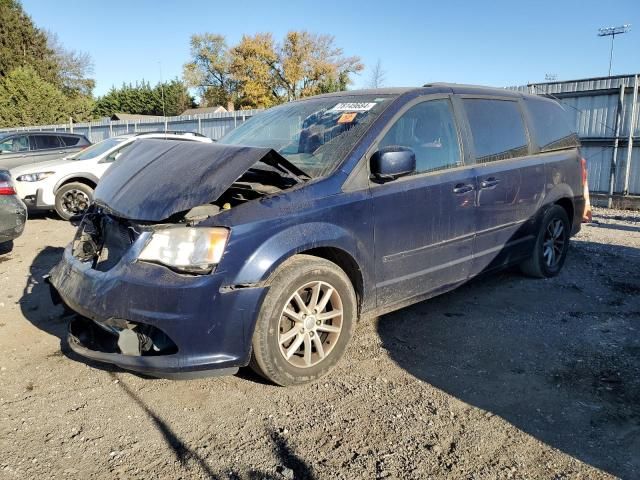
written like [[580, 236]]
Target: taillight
[[6, 188], [583, 164]]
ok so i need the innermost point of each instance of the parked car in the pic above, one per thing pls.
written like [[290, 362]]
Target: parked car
[[13, 213], [67, 184], [266, 247], [28, 148]]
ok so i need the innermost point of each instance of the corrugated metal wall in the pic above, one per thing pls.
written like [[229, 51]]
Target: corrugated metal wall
[[592, 106], [213, 125]]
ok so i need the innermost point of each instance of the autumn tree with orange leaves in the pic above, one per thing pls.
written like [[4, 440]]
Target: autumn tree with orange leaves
[[259, 72]]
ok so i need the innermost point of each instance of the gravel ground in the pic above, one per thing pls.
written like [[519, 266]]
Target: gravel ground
[[506, 377]]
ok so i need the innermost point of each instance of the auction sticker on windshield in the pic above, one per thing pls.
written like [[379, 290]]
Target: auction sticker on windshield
[[347, 117], [353, 107]]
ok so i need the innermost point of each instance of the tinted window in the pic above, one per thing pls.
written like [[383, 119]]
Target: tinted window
[[70, 141], [15, 144], [550, 125], [46, 141], [497, 129], [429, 130]]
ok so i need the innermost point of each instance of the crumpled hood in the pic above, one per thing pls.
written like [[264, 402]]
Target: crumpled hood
[[154, 179]]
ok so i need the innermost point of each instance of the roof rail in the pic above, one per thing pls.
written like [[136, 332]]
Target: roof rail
[[172, 132]]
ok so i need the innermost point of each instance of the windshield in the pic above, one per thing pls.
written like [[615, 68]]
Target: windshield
[[97, 149], [315, 134]]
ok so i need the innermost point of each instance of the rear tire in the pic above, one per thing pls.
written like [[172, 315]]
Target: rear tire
[[73, 199], [306, 321], [550, 250]]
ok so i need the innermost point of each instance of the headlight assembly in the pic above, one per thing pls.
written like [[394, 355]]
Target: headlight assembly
[[190, 250], [34, 177]]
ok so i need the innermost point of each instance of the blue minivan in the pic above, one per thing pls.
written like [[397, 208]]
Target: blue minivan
[[265, 248]]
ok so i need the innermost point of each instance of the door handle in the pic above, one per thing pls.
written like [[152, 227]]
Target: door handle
[[489, 183], [463, 188]]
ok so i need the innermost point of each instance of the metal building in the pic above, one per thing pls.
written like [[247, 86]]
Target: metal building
[[605, 114]]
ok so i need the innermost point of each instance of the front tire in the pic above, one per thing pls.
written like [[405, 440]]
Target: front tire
[[73, 199], [552, 243], [306, 321]]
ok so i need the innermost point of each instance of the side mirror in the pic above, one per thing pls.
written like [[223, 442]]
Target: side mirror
[[392, 162], [112, 157]]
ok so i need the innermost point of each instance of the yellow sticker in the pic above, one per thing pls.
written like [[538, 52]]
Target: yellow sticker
[[347, 117]]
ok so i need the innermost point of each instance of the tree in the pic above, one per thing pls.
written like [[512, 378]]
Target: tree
[[74, 67], [26, 99], [258, 72], [377, 76], [22, 44], [310, 64], [209, 69], [253, 62], [168, 98]]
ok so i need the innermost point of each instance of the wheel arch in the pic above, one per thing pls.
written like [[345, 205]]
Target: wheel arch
[[86, 178], [319, 239]]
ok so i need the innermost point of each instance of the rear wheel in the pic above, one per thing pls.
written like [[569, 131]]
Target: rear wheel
[[306, 321], [73, 199], [552, 243]]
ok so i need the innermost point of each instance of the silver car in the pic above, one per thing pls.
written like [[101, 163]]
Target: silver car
[[26, 148]]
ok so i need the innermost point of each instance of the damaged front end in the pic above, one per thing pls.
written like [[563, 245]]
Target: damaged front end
[[143, 277]]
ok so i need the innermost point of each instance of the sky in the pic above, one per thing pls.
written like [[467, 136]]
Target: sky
[[417, 42]]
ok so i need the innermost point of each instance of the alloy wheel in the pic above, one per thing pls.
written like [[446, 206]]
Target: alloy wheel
[[553, 243], [310, 324], [75, 201]]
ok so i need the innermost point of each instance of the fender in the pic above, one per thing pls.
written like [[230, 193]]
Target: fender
[[85, 175], [296, 239]]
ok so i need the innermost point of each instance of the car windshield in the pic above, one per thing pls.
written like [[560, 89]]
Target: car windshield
[[97, 149], [315, 134]]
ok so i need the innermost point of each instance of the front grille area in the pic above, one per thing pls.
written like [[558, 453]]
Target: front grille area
[[103, 240]]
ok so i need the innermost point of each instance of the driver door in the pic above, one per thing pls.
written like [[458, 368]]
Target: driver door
[[424, 223]]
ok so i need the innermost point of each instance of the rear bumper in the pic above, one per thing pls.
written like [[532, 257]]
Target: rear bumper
[[13, 217], [211, 329]]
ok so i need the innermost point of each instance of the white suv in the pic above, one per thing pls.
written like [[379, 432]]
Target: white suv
[[67, 184]]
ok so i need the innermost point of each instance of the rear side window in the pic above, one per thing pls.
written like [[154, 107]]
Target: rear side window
[[497, 128], [43, 142], [70, 141], [550, 125], [429, 130]]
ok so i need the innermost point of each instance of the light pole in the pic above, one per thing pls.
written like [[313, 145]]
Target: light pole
[[612, 32]]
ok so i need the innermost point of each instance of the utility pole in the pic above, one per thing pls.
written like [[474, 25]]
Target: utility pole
[[162, 92], [612, 32]]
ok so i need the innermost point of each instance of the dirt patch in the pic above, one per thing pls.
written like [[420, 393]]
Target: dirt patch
[[506, 377]]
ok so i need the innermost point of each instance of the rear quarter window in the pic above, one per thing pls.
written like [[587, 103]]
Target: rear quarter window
[[70, 141], [550, 125], [497, 129]]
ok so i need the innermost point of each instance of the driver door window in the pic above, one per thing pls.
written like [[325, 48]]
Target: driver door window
[[429, 130]]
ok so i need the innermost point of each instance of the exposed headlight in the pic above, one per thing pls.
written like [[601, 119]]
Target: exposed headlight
[[192, 250], [34, 177]]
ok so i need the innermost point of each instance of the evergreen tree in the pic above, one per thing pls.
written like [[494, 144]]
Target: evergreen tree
[[26, 99], [22, 44]]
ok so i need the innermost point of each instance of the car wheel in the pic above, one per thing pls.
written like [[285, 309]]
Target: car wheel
[[306, 321], [552, 243], [6, 247], [73, 199]]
